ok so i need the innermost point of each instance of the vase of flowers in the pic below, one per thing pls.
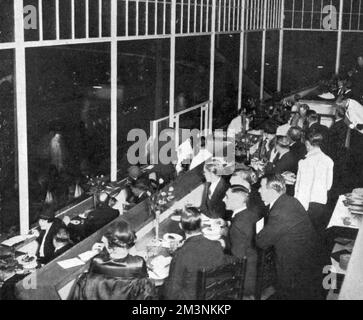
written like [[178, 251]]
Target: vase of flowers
[[96, 186], [158, 203]]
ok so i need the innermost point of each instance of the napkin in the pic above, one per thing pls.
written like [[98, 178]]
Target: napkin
[[71, 263]]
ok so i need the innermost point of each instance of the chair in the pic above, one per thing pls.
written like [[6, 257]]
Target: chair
[[222, 283], [266, 271]]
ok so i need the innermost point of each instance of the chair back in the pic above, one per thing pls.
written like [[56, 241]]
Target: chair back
[[222, 283], [266, 272]]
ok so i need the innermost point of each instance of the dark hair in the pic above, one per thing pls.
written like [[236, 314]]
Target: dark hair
[[313, 117], [120, 235], [340, 111], [315, 139], [191, 219], [304, 106], [275, 182], [140, 184], [62, 236], [295, 133], [241, 190], [269, 128]]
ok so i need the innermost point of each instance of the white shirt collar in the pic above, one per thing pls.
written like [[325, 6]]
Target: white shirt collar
[[237, 211], [213, 186]]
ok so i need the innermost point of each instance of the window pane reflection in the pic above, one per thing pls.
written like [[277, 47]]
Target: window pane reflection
[[68, 94], [9, 195]]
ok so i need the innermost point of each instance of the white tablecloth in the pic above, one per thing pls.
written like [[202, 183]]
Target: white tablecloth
[[340, 213]]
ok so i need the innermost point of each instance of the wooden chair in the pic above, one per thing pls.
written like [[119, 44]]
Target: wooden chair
[[266, 271], [222, 283]]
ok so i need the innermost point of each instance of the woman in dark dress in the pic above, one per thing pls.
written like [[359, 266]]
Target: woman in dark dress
[[114, 274]]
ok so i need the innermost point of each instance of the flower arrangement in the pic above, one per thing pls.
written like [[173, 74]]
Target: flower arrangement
[[244, 142], [158, 203], [96, 185]]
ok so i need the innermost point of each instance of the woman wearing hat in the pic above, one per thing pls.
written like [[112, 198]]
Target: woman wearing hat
[[114, 274]]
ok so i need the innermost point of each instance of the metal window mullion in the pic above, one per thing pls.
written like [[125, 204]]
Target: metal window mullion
[[156, 17], [40, 14], [182, 17], [359, 13], [207, 18], [281, 46], [219, 15], [164, 17], [137, 17], [312, 14], [302, 14], [99, 18], [57, 26], [351, 15], [146, 17], [269, 15], [293, 14], [195, 16], [241, 54], [21, 117], [113, 111], [239, 15], [212, 65], [339, 40], [172, 68], [224, 14], [87, 18], [263, 53], [234, 16], [321, 13], [201, 16], [229, 15], [188, 31], [255, 25]]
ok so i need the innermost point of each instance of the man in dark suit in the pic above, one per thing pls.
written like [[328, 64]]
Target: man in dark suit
[[242, 232], [214, 192], [288, 230], [315, 126], [338, 152], [49, 226], [297, 147], [101, 216], [285, 162], [196, 253]]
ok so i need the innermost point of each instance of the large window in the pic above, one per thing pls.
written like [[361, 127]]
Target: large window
[[252, 63], [6, 20], [68, 111], [143, 89], [9, 203], [226, 78], [308, 58], [271, 61], [352, 47], [192, 72]]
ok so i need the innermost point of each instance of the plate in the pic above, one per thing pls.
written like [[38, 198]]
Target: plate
[[176, 218], [172, 237], [75, 222]]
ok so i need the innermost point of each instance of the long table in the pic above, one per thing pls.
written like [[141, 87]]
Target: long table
[[51, 281]]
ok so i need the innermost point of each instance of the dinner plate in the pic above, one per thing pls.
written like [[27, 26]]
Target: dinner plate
[[172, 237], [176, 218]]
